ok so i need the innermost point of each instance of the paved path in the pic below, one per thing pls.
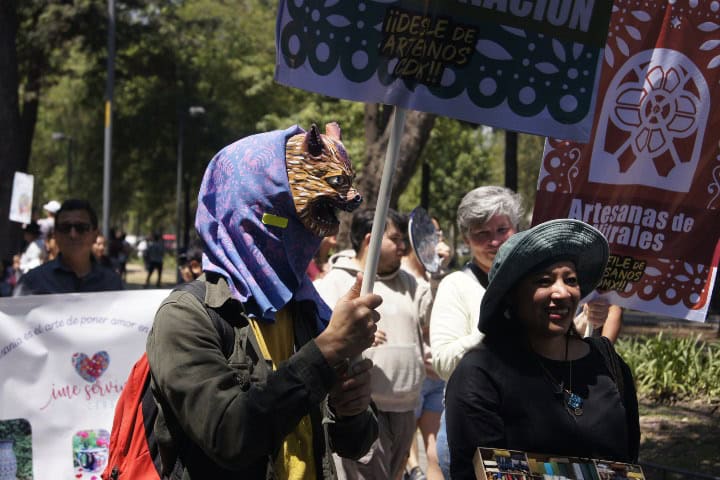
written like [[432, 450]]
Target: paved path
[[136, 275]]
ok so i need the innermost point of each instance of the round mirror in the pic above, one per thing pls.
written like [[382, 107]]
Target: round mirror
[[424, 237]]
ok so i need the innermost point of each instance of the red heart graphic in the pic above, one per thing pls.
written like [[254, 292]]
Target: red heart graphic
[[90, 369]]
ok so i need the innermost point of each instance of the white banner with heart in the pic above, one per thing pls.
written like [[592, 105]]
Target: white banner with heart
[[63, 362]]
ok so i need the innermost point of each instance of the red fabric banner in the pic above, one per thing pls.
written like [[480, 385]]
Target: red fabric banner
[[649, 178]]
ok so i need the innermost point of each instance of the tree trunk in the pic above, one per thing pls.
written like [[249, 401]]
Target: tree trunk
[[11, 158], [416, 133]]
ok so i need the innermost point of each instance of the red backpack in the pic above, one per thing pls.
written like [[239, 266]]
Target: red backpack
[[134, 452]]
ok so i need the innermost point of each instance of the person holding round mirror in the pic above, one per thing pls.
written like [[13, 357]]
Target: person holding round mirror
[[533, 383], [426, 260]]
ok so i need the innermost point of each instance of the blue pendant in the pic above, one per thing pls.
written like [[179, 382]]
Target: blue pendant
[[575, 403]]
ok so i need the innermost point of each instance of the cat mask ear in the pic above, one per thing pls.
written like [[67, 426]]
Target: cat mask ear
[[332, 130], [313, 141]]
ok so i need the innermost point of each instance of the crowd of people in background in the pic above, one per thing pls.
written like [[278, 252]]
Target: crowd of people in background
[[73, 268], [428, 325], [76, 245]]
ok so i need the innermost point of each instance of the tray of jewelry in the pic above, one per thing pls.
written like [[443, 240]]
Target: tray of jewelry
[[501, 464]]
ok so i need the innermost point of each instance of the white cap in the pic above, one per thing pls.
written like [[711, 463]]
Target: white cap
[[52, 206]]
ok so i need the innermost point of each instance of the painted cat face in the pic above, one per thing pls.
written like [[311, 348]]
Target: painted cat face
[[320, 177]]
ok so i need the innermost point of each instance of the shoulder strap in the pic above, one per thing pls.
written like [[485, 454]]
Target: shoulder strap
[[220, 317], [612, 362], [234, 328]]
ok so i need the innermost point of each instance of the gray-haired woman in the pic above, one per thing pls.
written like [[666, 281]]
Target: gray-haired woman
[[487, 217]]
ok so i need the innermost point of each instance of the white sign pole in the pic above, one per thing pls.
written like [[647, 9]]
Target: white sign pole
[[391, 156]]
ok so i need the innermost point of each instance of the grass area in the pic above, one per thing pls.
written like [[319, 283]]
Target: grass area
[[676, 374]]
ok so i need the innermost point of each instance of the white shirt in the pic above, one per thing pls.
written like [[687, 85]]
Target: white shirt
[[46, 225], [454, 320], [33, 256]]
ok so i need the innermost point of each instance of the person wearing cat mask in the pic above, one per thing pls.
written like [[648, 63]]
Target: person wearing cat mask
[[264, 205]]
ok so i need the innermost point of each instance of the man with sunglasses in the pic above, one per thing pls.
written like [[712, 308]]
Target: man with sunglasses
[[75, 268]]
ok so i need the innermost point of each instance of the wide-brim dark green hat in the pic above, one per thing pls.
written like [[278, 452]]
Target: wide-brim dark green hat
[[556, 240]]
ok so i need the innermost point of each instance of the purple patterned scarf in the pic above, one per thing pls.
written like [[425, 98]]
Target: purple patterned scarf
[[264, 265]]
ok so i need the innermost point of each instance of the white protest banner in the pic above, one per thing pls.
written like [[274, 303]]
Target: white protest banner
[[522, 65], [63, 362], [649, 178], [21, 198]]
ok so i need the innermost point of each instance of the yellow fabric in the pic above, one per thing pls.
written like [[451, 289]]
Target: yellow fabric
[[276, 340]]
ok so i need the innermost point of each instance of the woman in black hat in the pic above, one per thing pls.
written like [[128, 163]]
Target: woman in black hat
[[534, 384]]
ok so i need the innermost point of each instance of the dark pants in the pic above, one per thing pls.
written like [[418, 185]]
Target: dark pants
[[151, 267]]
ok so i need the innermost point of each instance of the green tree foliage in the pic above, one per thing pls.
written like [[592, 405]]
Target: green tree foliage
[[464, 156], [530, 150], [63, 112], [35, 38], [47, 32], [529, 158], [218, 55], [171, 56], [459, 155]]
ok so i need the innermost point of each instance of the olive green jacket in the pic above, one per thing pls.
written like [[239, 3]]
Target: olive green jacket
[[223, 428]]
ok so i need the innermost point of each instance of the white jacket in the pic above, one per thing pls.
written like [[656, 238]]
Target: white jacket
[[454, 320]]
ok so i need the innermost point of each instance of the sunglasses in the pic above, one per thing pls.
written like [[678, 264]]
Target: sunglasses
[[79, 227]]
